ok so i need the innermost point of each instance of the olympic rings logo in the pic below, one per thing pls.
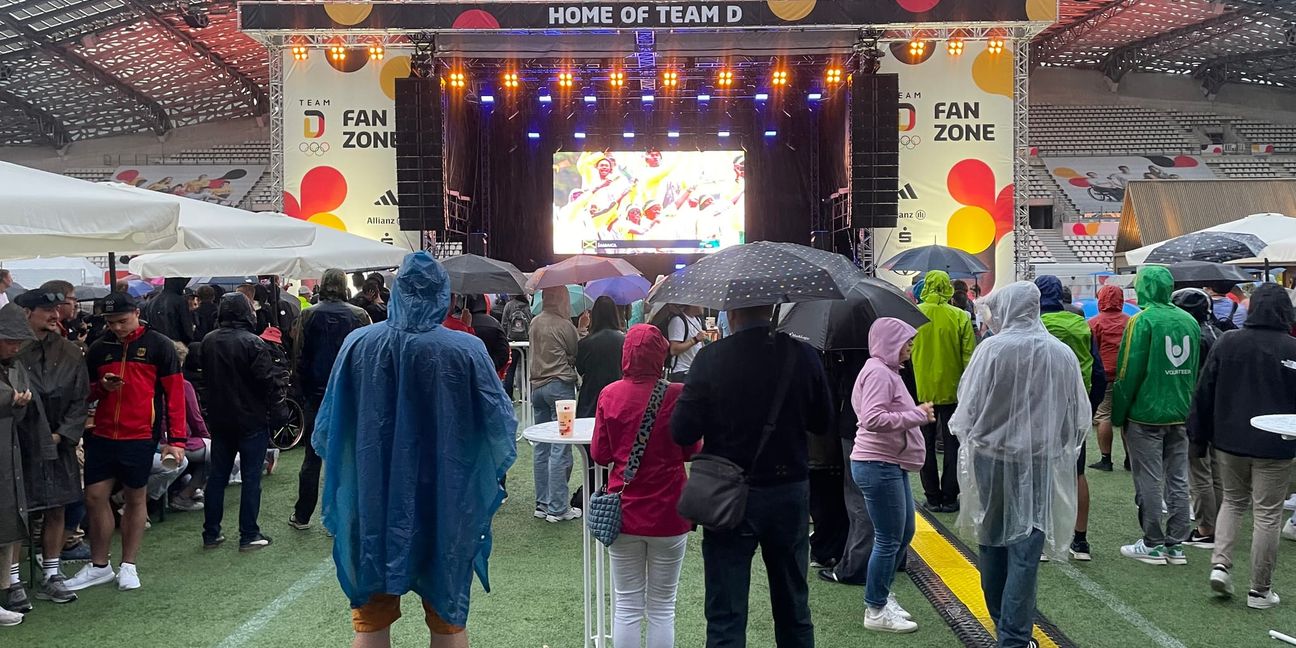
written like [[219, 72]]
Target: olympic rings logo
[[313, 148], [910, 142]]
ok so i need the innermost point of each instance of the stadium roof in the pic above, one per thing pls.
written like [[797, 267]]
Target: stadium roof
[[76, 69]]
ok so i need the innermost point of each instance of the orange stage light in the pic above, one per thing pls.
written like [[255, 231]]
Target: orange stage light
[[510, 80], [724, 79], [779, 78], [616, 79], [955, 47]]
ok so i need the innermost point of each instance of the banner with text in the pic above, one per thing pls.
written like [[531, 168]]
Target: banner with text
[[956, 159], [339, 148]]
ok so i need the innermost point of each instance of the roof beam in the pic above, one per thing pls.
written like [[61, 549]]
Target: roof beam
[[1130, 57], [1221, 70], [257, 96], [50, 127], [155, 116], [1044, 49]]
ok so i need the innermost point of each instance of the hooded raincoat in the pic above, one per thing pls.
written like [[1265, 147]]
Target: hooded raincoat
[[554, 340], [1023, 411], [890, 423], [13, 379], [1108, 327], [944, 345], [416, 431], [58, 378], [1158, 362], [1072, 330]]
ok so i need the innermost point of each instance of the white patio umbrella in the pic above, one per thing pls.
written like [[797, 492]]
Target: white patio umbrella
[[46, 214], [330, 249], [1277, 253], [1269, 228], [208, 226]]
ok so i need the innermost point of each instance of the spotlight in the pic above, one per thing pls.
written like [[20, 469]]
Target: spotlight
[[995, 45], [917, 48], [770, 133], [533, 135], [627, 135], [337, 53], [578, 135], [762, 96], [955, 47], [546, 98], [300, 53], [815, 96], [457, 80], [833, 76], [680, 266], [672, 134], [616, 79], [724, 79], [590, 99], [376, 52], [488, 99], [779, 78], [670, 79], [510, 80], [565, 79], [703, 98], [722, 134], [648, 98]]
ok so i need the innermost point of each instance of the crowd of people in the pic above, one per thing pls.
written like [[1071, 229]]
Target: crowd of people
[[990, 400]]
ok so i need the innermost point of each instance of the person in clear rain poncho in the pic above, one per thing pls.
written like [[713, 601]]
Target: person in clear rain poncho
[[1023, 411]]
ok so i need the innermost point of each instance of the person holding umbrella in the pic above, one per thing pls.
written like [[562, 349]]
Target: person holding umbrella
[[942, 350]]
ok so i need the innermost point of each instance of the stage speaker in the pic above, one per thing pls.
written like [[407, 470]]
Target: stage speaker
[[477, 243], [420, 177], [875, 150]]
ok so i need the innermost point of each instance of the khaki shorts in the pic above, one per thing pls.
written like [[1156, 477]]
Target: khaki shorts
[[383, 610], [1105, 407]]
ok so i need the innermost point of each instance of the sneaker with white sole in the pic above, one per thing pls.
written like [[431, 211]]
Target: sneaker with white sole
[[1080, 550], [54, 589], [1221, 582], [1262, 600], [1175, 555], [127, 577], [297, 524], [9, 619], [15, 599], [540, 513], [184, 504], [1289, 529], [89, 576], [1290, 504], [886, 620], [1200, 541], [894, 606], [1145, 554], [572, 513], [255, 544]]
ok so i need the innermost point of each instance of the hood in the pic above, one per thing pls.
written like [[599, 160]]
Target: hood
[[1271, 308], [1153, 285], [557, 300], [333, 285], [1051, 299], [1111, 299], [476, 304], [13, 324], [175, 285], [1015, 307], [936, 288], [235, 311], [1193, 300], [886, 337], [644, 353], [421, 298]]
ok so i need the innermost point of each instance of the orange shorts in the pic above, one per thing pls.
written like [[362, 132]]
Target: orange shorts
[[382, 610]]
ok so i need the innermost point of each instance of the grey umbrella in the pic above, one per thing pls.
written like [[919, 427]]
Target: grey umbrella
[[1215, 247], [759, 274], [471, 274], [935, 257], [839, 325]]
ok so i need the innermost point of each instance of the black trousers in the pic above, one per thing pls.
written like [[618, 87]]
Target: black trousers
[[828, 510], [308, 479], [778, 522], [941, 486], [853, 567]]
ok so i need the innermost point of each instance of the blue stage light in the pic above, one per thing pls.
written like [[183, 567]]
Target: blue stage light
[[533, 135], [770, 133], [544, 98], [488, 99], [578, 135], [589, 99], [761, 96], [723, 134], [815, 96], [672, 134], [703, 98], [627, 135], [648, 98], [680, 266]]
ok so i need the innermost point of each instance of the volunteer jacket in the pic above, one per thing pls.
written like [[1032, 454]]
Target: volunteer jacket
[[1159, 357], [152, 392]]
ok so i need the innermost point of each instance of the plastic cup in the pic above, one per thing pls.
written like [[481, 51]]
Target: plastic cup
[[566, 417], [710, 323], [169, 462]]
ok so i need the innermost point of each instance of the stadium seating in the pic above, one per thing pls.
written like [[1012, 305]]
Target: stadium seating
[[1039, 253], [1257, 132], [1106, 130], [1093, 249], [1242, 168]]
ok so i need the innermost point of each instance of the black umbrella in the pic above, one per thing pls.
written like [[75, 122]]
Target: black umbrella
[[14, 290], [477, 275], [1201, 273], [838, 325], [759, 274], [935, 257], [1216, 247]]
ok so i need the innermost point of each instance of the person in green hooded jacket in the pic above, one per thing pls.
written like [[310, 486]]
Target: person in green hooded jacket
[[1156, 374], [941, 351]]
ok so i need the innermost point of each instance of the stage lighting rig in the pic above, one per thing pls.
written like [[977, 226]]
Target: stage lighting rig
[[779, 78], [995, 45], [566, 80], [300, 53], [955, 47], [510, 81], [422, 61], [917, 48], [833, 76], [870, 55], [376, 52], [670, 79], [337, 53], [195, 16], [724, 79], [457, 80], [616, 79]]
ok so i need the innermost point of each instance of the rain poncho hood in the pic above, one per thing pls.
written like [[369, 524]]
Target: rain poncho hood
[[13, 324], [1111, 299], [942, 347], [644, 353], [417, 431], [1022, 414], [1160, 353], [1271, 308]]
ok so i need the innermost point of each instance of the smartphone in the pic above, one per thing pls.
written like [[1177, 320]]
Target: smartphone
[[112, 378]]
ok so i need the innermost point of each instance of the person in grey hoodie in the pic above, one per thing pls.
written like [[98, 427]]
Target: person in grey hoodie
[[553, 378]]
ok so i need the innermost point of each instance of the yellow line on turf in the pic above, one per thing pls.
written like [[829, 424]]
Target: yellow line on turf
[[959, 575]]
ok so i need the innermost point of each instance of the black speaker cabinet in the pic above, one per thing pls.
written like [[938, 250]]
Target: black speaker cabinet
[[420, 176], [875, 150]]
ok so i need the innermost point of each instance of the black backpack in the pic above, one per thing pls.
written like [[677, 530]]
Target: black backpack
[[1224, 323], [518, 325]]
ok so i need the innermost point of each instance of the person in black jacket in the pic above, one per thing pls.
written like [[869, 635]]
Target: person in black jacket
[[843, 367], [727, 401], [246, 389], [168, 312], [205, 315], [1250, 372], [1205, 487], [489, 331], [598, 355]]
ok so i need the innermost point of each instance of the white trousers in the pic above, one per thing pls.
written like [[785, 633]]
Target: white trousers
[[645, 576]]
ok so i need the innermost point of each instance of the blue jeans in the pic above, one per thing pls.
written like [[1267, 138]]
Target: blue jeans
[[891, 507], [251, 447], [1008, 578], [551, 463]]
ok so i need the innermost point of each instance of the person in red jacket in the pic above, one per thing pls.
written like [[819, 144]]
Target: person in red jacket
[[647, 556], [135, 376], [1108, 327]]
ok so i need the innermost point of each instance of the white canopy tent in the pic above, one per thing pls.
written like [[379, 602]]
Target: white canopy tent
[[46, 214], [1270, 228], [77, 270], [208, 226], [331, 249]]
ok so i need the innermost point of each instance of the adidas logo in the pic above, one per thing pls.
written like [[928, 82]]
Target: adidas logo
[[388, 199], [907, 192]]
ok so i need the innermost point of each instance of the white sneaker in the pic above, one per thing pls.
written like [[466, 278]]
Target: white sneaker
[[8, 618], [127, 578], [89, 576], [1289, 529], [1258, 601], [573, 513], [1290, 504], [894, 606], [1221, 581], [1144, 554], [885, 620]]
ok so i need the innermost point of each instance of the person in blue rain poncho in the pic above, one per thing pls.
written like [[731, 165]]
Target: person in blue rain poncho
[[416, 432]]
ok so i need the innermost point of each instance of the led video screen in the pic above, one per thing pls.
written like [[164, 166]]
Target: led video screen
[[647, 202]]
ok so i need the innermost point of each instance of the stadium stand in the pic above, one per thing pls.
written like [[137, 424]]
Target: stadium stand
[[1243, 168], [1093, 249], [1106, 130], [1257, 132]]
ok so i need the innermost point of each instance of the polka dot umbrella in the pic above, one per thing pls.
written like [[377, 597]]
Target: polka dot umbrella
[[759, 274], [1215, 247]]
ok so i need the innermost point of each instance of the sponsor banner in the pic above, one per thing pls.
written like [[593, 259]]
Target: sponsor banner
[[956, 159], [223, 185], [339, 149], [1097, 184], [575, 14]]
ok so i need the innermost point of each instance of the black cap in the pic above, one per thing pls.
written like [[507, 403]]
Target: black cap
[[33, 299], [117, 303]]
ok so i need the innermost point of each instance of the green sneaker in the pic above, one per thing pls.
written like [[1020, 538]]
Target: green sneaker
[[1174, 555], [1145, 554]]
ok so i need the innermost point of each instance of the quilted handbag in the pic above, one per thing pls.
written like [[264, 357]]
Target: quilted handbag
[[604, 515]]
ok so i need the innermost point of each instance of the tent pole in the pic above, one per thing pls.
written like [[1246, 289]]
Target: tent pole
[[112, 271]]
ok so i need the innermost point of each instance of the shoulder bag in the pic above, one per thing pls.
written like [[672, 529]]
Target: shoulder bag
[[715, 495], [604, 515]]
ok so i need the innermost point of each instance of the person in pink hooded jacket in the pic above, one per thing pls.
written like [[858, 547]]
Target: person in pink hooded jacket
[[888, 446]]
